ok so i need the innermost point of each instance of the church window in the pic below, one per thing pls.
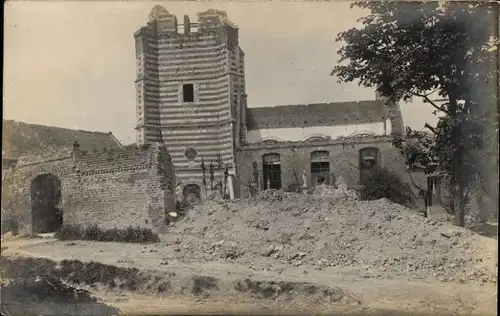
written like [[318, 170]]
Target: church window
[[188, 92], [190, 153]]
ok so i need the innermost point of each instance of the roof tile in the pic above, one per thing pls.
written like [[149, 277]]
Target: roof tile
[[21, 138], [319, 114]]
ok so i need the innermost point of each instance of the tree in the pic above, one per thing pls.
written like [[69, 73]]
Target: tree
[[383, 183], [416, 49]]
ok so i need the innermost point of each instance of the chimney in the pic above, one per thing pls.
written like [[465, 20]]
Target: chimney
[[187, 25]]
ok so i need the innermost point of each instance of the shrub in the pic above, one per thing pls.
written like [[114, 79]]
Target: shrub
[[130, 234], [93, 232], [383, 183], [69, 232]]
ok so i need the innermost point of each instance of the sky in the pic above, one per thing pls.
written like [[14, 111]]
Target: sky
[[72, 64]]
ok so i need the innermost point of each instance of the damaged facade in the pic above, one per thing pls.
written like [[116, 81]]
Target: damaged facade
[[192, 113], [191, 93]]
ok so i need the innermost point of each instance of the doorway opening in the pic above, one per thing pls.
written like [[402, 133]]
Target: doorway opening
[[192, 193], [45, 196], [271, 171]]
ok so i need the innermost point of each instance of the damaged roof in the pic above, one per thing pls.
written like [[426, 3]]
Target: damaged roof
[[319, 114], [19, 138]]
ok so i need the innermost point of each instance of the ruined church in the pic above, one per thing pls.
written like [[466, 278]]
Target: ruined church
[[194, 131], [191, 94]]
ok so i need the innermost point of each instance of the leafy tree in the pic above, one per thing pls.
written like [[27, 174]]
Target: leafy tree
[[416, 49]]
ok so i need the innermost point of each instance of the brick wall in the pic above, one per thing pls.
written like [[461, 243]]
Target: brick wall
[[117, 199], [129, 186], [343, 158]]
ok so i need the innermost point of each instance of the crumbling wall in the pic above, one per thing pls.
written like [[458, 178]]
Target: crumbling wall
[[127, 186], [116, 189]]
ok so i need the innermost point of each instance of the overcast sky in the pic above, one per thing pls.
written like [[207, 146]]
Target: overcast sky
[[72, 64]]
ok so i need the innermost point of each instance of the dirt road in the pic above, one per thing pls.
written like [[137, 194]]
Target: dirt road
[[365, 291], [284, 252]]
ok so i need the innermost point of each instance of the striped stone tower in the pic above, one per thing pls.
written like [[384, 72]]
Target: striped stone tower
[[190, 91]]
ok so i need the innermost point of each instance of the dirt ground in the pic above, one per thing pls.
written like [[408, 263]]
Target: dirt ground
[[353, 257], [388, 297]]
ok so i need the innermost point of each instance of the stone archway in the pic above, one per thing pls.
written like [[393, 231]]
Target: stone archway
[[45, 197], [191, 193]]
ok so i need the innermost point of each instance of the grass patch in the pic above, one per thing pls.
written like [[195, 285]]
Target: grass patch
[[94, 233]]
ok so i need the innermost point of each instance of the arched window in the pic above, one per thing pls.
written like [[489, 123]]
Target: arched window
[[316, 139], [362, 134], [368, 161], [271, 171], [320, 166]]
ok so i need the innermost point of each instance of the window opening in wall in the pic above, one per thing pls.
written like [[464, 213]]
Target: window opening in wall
[[188, 92], [320, 166], [271, 171], [368, 161]]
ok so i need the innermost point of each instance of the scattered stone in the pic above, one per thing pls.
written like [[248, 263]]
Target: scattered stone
[[374, 235], [267, 252]]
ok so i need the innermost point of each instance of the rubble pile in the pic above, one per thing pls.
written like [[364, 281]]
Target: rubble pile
[[340, 192], [320, 232]]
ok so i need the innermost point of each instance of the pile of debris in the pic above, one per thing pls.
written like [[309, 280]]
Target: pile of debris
[[331, 192], [49, 296], [300, 230]]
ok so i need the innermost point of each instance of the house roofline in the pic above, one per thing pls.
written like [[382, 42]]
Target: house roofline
[[116, 139]]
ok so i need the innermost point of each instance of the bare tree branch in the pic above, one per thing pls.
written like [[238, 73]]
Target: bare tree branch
[[426, 98], [413, 181], [432, 129]]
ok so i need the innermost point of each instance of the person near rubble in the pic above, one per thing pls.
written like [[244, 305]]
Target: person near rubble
[[424, 194]]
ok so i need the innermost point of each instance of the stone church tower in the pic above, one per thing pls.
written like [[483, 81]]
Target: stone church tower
[[190, 90]]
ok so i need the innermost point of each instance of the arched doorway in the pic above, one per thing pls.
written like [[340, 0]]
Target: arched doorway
[[45, 195], [192, 193]]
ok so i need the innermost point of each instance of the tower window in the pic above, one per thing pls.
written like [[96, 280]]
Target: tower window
[[188, 92]]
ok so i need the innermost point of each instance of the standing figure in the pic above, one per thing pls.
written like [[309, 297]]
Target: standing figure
[[304, 182]]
